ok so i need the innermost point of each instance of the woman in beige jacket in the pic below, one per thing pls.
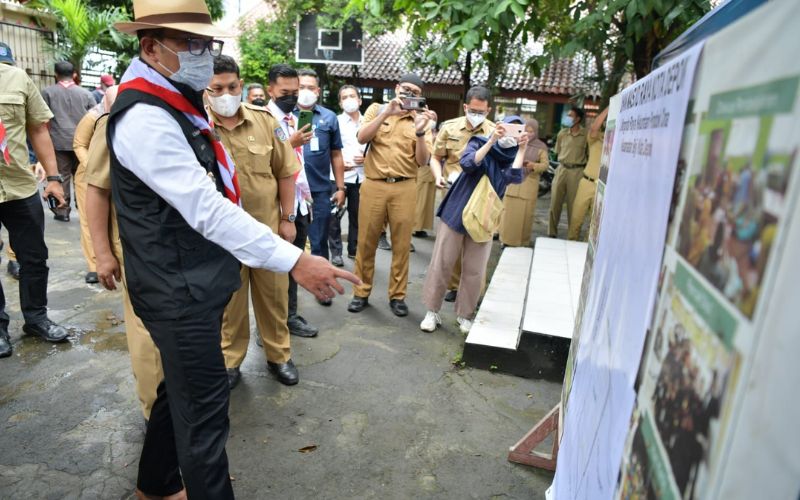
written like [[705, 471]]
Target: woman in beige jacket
[[520, 199]]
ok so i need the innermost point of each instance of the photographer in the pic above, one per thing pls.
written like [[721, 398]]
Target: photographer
[[500, 158], [400, 143]]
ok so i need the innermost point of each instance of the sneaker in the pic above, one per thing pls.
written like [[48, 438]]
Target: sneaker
[[337, 261], [431, 322], [464, 325], [383, 243]]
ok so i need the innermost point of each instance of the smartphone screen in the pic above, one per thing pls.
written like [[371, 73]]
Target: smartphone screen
[[514, 130], [304, 119]]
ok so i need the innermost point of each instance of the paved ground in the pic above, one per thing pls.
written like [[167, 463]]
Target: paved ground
[[389, 413]]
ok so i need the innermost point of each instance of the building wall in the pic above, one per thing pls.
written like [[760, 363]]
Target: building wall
[[26, 31]]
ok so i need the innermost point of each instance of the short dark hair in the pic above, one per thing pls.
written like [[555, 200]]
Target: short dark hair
[[478, 92], [348, 87], [308, 72], [64, 69], [251, 86], [225, 64], [578, 112], [281, 71]]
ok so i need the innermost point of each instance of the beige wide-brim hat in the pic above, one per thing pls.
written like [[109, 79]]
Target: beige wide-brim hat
[[191, 16]]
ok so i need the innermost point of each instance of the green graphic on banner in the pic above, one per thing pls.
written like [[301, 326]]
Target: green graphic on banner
[[770, 98], [658, 467], [715, 315]]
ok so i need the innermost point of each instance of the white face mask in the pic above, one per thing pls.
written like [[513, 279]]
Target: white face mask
[[225, 105], [306, 98], [506, 142], [475, 119], [350, 105], [194, 71]]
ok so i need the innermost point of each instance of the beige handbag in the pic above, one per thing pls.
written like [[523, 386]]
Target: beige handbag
[[481, 216]]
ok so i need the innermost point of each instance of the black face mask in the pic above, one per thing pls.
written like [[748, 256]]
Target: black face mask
[[259, 102], [286, 103]]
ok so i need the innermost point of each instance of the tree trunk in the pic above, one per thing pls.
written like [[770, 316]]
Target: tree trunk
[[466, 73]]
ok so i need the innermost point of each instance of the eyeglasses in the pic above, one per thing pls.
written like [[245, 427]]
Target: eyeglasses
[[415, 93], [474, 112], [199, 45]]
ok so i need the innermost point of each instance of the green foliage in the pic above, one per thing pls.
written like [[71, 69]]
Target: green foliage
[[215, 7]]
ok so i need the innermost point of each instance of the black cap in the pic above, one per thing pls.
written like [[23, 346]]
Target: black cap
[[6, 57], [413, 79]]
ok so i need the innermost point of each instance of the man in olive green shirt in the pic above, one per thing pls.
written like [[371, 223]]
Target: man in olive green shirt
[[573, 151], [24, 112]]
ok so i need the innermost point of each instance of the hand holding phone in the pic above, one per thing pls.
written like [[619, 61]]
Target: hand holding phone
[[514, 130], [413, 103]]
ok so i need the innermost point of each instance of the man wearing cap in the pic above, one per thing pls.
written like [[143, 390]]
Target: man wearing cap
[[573, 151], [69, 103], [400, 143], [182, 232], [106, 81], [24, 113]]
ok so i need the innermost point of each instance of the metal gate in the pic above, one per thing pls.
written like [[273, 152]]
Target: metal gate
[[31, 51]]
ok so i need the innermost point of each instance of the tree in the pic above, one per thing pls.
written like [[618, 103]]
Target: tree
[[620, 35], [80, 28]]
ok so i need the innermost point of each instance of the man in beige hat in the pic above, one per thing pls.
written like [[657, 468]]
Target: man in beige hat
[[183, 234]]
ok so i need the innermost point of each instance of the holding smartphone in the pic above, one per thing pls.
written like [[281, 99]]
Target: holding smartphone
[[52, 202], [514, 130], [413, 103], [304, 119]]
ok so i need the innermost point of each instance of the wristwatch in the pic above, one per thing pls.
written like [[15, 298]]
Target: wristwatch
[[290, 218], [341, 188], [420, 134], [56, 178]]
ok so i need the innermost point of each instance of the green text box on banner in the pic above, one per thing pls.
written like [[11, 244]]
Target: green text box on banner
[[714, 314]]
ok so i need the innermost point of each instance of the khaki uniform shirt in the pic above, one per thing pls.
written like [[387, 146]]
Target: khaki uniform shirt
[[392, 152], [83, 136], [453, 137], [20, 104], [261, 158], [592, 169], [572, 148], [98, 174]]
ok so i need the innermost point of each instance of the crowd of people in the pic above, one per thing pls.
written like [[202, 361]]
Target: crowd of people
[[217, 210]]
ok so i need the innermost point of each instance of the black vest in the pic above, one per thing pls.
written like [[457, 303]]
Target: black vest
[[172, 271]]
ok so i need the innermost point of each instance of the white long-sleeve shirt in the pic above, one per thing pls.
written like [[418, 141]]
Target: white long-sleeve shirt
[[149, 143]]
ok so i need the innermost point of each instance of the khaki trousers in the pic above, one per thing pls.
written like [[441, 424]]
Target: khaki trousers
[[426, 196], [581, 207], [381, 201], [271, 309], [565, 187], [516, 225], [145, 357], [86, 238], [449, 247]]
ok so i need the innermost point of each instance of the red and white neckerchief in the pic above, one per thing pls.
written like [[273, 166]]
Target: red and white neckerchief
[[4, 143], [67, 83], [143, 78]]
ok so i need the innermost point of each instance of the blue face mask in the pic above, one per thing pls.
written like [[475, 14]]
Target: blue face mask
[[567, 122]]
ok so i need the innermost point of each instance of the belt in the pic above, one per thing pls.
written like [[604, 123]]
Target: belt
[[589, 178], [392, 180], [573, 165]]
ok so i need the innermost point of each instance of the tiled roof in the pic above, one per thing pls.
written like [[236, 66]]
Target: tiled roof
[[386, 59]]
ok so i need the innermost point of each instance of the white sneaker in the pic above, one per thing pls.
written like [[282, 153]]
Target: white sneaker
[[464, 325], [431, 321]]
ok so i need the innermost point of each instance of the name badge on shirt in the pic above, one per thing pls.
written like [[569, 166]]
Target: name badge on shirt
[[314, 144]]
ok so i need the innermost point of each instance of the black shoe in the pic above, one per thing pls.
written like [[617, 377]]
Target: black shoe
[[412, 249], [91, 278], [383, 243], [5, 344], [398, 307], [337, 261], [325, 302], [451, 295], [13, 269], [286, 373], [420, 234], [61, 218], [358, 304], [298, 326], [48, 330], [351, 256], [234, 375]]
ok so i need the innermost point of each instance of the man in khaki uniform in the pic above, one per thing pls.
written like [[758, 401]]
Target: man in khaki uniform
[[107, 249], [572, 151], [399, 144], [588, 184], [23, 113], [450, 142], [265, 164]]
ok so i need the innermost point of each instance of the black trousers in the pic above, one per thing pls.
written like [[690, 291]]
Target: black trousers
[[188, 424], [24, 220], [301, 223], [67, 166], [335, 232]]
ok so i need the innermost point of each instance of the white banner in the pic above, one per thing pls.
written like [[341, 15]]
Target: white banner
[[628, 256]]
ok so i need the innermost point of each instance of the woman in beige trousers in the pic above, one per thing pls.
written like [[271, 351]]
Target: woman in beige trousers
[[520, 199]]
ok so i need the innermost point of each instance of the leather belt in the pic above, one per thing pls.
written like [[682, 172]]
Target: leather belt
[[392, 180], [589, 178], [573, 165]]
